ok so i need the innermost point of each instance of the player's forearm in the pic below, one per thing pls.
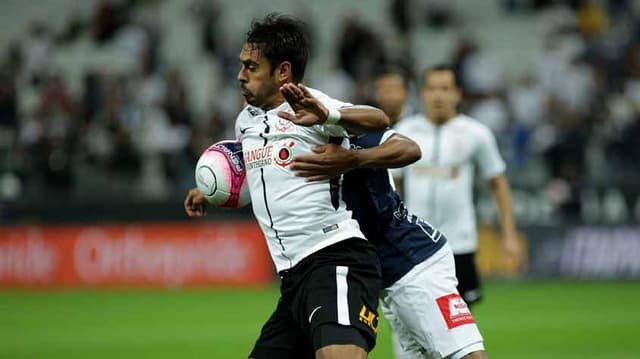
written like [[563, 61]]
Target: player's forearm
[[398, 151], [363, 119], [502, 196]]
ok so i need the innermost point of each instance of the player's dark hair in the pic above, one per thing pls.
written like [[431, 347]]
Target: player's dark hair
[[394, 69], [441, 67], [281, 38]]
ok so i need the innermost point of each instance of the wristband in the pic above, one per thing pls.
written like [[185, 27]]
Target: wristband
[[333, 117]]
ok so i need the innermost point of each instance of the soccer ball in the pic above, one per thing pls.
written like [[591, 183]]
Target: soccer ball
[[221, 175]]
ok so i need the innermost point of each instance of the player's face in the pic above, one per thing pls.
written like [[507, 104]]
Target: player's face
[[258, 83], [441, 95], [391, 94]]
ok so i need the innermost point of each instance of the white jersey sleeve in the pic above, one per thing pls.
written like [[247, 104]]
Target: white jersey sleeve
[[388, 133], [487, 156], [332, 104]]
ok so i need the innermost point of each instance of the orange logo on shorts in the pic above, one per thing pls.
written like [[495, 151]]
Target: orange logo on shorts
[[369, 318], [454, 310]]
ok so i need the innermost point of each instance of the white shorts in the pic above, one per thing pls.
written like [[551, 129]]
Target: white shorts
[[427, 315]]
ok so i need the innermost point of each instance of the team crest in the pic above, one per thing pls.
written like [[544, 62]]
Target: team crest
[[283, 125], [284, 154]]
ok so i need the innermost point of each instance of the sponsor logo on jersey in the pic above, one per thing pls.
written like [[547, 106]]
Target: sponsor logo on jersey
[[330, 228], [278, 153], [454, 310], [258, 157], [253, 111], [314, 312], [369, 317], [284, 154]]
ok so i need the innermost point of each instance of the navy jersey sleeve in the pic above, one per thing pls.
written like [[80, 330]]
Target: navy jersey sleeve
[[369, 140]]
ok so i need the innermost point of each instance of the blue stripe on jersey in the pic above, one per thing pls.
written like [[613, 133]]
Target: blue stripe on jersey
[[402, 240]]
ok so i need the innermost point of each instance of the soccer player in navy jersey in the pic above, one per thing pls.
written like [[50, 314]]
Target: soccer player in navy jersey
[[419, 298]]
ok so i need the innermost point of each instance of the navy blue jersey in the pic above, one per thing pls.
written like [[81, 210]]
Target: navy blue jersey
[[401, 239]]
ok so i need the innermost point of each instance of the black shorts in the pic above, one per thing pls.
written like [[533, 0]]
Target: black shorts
[[468, 279], [330, 297]]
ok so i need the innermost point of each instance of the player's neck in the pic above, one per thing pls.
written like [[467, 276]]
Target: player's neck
[[440, 120], [272, 103], [394, 116]]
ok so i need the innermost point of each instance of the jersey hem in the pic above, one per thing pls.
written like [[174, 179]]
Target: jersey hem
[[347, 234]]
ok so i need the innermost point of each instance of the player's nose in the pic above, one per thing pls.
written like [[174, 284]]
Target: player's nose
[[242, 76]]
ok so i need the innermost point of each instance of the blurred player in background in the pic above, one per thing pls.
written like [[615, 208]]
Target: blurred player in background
[[419, 299], [391, 95], [440, 185], [330, 275]]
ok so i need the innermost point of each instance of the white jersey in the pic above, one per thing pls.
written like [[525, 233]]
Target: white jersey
[[439, 187], [297, 217]]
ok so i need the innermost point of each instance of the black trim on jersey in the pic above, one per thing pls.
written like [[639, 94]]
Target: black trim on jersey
[[334, 183], [264, 193]]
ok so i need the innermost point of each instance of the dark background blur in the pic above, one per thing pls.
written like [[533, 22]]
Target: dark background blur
[[105, 105]]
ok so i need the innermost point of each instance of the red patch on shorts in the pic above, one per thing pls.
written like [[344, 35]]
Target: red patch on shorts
[[454, 310]]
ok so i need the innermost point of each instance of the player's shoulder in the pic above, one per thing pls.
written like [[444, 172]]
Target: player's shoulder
[[471, 125], [326, 99], [368, 140], [248, 112], [410, 123]]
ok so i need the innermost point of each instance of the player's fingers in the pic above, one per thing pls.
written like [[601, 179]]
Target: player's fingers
[[306, 160], [287, 116], [191, 212], [188, 204], [305, 90], [293, 92], [319, 149], [303, 166], [317, 178], [296, 90], [306, 173], [288, 95]]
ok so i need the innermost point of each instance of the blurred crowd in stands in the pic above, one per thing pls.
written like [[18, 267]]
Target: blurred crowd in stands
[[569, 128]]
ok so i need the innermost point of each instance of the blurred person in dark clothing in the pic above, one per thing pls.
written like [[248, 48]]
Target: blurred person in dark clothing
[[8, 104], [391, 93], [359, 50]]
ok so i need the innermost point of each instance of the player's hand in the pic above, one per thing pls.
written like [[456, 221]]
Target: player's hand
[[511, 251], [307, 110], [195, 204], [328, 161]]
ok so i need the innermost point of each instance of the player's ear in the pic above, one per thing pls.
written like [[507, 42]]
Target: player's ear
[[283, 72]]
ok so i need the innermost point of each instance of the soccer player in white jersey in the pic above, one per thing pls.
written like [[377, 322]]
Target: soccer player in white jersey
[[439, 186], [330, 275]]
